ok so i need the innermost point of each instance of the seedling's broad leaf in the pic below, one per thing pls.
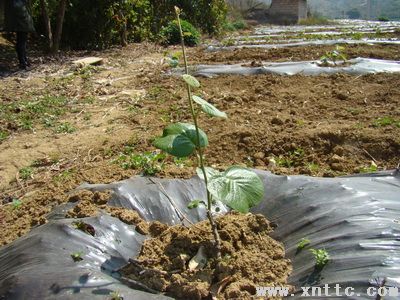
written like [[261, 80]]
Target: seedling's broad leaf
[[180, 139], [237, 187], [208, 108], [190, 80], [209, 172]]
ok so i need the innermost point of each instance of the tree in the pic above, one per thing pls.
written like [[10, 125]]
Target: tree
[[53, 38]]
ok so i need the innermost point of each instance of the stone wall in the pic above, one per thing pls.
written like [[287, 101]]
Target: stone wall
[[287, 11]]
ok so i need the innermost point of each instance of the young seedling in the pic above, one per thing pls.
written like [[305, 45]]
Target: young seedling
[[302, 244], [77, 256], [82, 226], [321, 257], [115, 295], [26, 173], [237, 187], [333, 56], [16, 204]]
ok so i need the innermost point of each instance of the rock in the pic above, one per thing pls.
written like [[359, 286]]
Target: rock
[[83, 62], [338, 150], [336, 159], [259, 155], [337, 167]]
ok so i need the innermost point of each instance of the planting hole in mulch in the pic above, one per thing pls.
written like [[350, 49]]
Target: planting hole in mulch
[[180, 261]]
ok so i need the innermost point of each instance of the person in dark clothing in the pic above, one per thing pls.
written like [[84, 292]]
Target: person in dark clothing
[[17, 18]]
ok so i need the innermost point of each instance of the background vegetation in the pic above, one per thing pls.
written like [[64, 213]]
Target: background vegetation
[[96, 25]]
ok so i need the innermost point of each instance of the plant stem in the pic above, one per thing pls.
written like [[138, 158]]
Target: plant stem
[[198, 148]]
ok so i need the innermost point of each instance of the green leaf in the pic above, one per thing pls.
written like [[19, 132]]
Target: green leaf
[[180, 139], [190, 80], [194, 204], [237, 187], [208, 108], [209, 172]]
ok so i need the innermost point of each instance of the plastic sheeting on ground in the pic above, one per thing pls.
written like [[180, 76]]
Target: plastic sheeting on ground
[[356, 219], [213, 48], [357, 66]]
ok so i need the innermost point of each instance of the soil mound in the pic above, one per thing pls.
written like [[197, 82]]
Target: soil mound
[[180, 261]]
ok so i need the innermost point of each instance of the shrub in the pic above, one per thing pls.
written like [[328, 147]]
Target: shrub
[[383, 19], [170, 34], [235, 25], [108, 22]]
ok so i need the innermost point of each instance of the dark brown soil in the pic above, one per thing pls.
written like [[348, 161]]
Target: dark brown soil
[[314, 52], [250, 258]]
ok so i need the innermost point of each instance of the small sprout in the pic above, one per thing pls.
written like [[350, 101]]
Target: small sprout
[[370, 169], [87, 228], [195, 204], [16, 204], [150, 163], [26, 173], [77, 256], [321, 257], [302, 244], [331, 57], [116, 295], [65, 128]]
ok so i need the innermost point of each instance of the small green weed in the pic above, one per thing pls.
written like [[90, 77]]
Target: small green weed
[[65, 128], [321, 257], [354, 111], [370, 169], [386, 121], [356, 36], [86, 228], [64, 175], [181, 162], [3, 135], [77, 256], [302, 244], [86, 72], [313, 167], [26, 173], [150, 163], [16, 204], [228, 42], [24, 114], [115, 295], [293, 158], [315, 20]]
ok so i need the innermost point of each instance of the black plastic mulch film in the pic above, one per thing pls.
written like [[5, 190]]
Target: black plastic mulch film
[[356, 219]]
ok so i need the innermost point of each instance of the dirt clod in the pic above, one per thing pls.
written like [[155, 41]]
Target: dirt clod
[[250, 258]]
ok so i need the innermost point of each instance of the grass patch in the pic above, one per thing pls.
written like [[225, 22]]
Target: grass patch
[[292, 159], [386, 121], [149, 163], [3, 135], [315, 20], [26, 114], [26, 173], [65, 128]]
